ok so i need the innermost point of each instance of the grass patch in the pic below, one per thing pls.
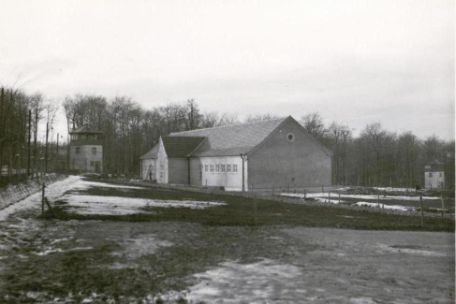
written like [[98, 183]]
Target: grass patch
[[240, 211]]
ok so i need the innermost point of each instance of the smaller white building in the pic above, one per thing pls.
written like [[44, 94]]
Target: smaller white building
[[154, 164], [434, 176]]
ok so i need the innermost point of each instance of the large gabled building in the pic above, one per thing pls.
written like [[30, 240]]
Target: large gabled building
[[262, 155]]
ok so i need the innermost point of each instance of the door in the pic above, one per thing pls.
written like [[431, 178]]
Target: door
[[97, 167]]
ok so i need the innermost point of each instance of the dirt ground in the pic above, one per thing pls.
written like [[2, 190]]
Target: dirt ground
[[110, 261]]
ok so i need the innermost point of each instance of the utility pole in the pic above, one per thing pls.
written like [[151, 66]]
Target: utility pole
[[2, 119], [56, 162], [28, 141], [57, 144], [35, 136], [46, 149]]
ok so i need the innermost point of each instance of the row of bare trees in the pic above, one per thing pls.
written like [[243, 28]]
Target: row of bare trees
[[129, 130], [377, 157], [374, 157], [20, 116]]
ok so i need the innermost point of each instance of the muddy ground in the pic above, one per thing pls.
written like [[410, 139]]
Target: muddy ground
[[78, 259]]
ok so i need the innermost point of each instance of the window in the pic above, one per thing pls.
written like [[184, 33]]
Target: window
[[440, 174], [228, 168], [94, 150], [430, 174], [77, 150], [290, 137], [205, 168], [217, 168], [222, 168], [211, 168], [234, 168]]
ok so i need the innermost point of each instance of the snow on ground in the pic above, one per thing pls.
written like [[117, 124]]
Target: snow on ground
[[141, 245], [359, 196], [326, 200], [391, 189], [370, 196], [333, 198], [82, 184], [411, 250], [390, 207], [53, 191], [245, 283], [115, 205]]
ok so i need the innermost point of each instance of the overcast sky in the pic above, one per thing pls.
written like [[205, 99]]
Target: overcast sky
[[355, 62]]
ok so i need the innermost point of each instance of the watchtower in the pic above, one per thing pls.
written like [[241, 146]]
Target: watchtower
[[86, 150], [434, 175]]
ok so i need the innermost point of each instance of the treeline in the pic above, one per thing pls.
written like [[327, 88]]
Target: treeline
[[19, 114], [375, 157], [378, 157]]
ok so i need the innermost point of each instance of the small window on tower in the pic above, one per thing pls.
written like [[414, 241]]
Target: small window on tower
[[211, 168], [222, 168], [234, 168], [217, 168], [94, 150], [228, 168]]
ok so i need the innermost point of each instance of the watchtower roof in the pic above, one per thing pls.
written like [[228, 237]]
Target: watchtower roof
[[85, 130]]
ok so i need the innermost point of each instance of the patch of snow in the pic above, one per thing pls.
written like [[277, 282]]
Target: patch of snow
[[142, 245], [326, 200], [54, 250], [244, 283], [82, 184], [297, 195], [115, 205], [379, 205], [362, 300], [359, 196], [343, 189], [391, 189], [413, 251]]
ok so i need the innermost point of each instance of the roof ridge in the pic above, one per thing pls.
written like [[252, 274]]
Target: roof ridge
[[231, 125]]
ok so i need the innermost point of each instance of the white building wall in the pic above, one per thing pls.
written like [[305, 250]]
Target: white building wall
[[162, 164], [231, 180], [434, 180], [148, 169]]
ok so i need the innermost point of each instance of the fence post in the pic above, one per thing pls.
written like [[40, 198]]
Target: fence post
[[42, 198], [254, 211], [422, 212], [443, 203]]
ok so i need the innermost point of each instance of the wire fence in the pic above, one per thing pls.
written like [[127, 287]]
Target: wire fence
[[16, 192]]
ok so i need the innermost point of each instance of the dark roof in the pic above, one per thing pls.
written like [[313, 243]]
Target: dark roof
[[233, 139], [151, 154], [180, 146], [84, 129], [434, 166]]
